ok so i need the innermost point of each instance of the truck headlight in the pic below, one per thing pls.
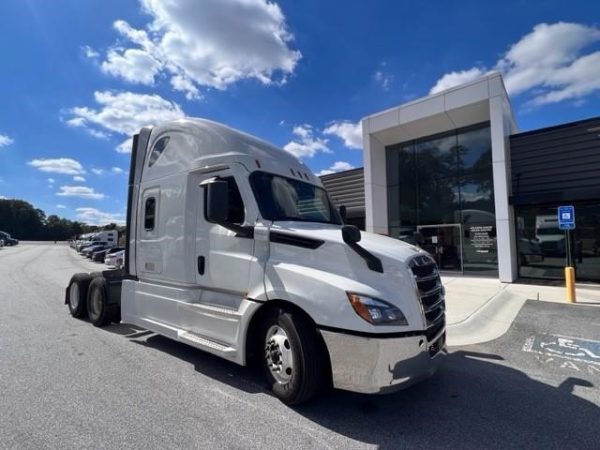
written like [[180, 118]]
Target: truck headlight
[[375, 311]]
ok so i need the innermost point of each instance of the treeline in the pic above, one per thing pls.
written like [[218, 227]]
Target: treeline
[[24, 222]]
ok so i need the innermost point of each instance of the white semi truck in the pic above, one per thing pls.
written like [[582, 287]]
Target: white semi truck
[[235, 248]]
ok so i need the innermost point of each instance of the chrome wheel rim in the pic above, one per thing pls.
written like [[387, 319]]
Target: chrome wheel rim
[[279, 355], [74, 295], [95, 304]]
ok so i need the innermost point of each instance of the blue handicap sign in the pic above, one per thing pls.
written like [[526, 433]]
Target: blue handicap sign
[[566, 217]]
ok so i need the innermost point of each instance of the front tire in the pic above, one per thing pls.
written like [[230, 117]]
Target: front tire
[[292, 357], [77, 299], [97, 303]]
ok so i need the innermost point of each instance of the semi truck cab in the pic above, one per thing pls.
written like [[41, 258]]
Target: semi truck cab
[[234, 247]]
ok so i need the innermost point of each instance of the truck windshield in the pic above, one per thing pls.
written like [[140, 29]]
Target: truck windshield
[[281, 198]]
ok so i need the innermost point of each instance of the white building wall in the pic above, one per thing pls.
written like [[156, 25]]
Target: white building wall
[[500, 130], [475, 102], [376, 219]]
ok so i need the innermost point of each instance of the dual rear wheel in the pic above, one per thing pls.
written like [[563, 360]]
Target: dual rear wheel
[[88, 296]]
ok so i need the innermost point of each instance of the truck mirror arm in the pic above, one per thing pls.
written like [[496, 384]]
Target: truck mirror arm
[[242, 231], [351, 236]]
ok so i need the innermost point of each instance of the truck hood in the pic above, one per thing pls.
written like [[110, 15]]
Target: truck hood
[[325, 273], [384, 247]]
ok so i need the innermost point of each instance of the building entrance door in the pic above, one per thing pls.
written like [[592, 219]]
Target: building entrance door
[[444, 243]]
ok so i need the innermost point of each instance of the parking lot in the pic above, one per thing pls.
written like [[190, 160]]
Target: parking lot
[[66, 384]]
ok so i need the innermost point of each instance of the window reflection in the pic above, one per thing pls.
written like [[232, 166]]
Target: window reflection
[[474, 151], [542, 246], [446, 179]]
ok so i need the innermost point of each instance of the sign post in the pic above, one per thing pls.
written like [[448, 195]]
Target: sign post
[[566, 221]]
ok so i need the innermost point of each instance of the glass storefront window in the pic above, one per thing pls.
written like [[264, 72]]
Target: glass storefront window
[[436, 157], [402, 191], [477, 195], [474, 151], [439, 201], [442, 180], [542, 246]]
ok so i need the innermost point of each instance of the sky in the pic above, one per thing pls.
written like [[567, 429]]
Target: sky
[[80, 77]]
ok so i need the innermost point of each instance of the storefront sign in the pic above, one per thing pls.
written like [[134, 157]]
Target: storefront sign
[[481, 238]]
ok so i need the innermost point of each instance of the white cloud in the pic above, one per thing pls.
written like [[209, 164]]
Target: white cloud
[[548, 64], [337, 166], [5, 140], [93, 216], [184, 84], [125, 146], [117, 170], [59, 206], [65, 166], [80, 191], [212, 43], [132, 65], [79, 178], [97, 171], [307, 145], [452, 79], [89, 52], [383, 79], [124, 113], [51, 180], [2, 197], [349, 132]]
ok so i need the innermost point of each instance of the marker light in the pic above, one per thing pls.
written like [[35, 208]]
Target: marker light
[[376, 312]]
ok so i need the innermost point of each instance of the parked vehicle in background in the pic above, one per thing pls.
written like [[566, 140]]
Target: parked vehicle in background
[[100, 256], [88, 251], [116, 259], [235, 248], [110, 237], [551, 239], [8, 239]]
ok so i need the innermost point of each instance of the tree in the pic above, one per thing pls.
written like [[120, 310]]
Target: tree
[[22, 221]]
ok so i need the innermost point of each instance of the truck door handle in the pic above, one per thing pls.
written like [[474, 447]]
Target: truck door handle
[[201, 265]]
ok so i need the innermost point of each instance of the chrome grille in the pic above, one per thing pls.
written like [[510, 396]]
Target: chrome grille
[[431, 294]]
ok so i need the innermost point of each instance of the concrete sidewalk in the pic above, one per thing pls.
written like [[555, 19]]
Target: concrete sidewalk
[[482, 309]]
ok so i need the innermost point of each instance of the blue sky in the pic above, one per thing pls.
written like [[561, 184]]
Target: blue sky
[[80, 76]]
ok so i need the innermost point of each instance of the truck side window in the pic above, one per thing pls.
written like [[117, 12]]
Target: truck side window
[[236, 205], [157, 150], [149, 213]]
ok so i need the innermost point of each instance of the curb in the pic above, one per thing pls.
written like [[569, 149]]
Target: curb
[[489, 322]]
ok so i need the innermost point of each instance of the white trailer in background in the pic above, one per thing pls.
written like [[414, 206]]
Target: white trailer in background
[[234, 247]]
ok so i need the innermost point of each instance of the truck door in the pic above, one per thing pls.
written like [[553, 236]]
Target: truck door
[[224, 257]]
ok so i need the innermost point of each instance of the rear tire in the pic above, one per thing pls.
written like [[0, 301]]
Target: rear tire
[[77, 300], [292, 356], [99, 311]]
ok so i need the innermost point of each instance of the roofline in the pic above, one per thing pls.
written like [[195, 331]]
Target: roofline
[[556, 127], [331, 175], [488, 76]]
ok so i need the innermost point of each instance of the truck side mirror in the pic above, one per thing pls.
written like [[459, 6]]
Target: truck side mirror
[[351, 234], [418, 237], [217, 201], [342, 211]]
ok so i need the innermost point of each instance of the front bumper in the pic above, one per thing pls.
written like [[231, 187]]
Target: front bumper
[[379, 365]]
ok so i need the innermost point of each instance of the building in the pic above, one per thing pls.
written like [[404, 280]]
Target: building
[[483, 197]]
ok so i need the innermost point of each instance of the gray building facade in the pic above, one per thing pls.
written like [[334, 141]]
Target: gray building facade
[[454, 167]]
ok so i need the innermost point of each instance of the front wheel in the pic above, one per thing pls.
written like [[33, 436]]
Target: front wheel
[[293, 357]]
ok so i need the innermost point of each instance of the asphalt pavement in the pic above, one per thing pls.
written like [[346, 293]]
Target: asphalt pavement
[[66, 384]]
